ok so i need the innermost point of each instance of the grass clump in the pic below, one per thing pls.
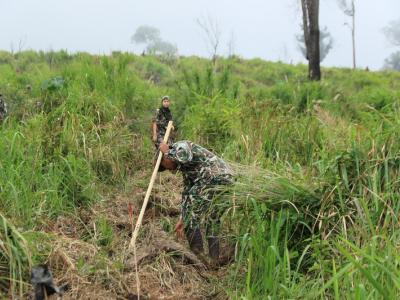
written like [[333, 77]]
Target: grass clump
[[14, 259]]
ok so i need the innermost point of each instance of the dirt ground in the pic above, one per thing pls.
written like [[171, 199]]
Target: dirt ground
[[167, 268]]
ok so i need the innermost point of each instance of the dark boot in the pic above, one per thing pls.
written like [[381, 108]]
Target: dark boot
[[213, 248], [195, 240]]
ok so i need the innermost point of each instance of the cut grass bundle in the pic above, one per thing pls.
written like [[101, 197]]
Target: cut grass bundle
[[14, 259]]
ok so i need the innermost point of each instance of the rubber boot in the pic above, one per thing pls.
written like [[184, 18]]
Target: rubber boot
[[213, 248], [195, 240]]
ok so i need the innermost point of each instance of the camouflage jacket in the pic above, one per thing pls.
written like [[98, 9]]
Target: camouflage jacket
[[3, 108], [161, 118], [198, 165]]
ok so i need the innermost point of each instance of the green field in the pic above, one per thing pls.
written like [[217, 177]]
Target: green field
[[315, 213]]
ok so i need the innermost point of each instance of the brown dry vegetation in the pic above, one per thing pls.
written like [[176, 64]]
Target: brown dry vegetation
[[167, 268]]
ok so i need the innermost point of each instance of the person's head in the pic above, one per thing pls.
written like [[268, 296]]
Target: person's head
[[165, 102]]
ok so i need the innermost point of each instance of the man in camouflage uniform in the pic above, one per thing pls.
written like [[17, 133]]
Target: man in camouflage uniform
[[203, 175], [160, 122], [3, 108]]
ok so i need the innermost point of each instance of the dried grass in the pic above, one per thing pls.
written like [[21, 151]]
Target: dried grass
[[167, 270]]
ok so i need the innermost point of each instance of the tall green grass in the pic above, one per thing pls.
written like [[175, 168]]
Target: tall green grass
[[294, 239], [315, 212], [308, 228], [14, 259]]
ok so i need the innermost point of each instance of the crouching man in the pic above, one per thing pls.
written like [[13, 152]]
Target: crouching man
[[204, 174]]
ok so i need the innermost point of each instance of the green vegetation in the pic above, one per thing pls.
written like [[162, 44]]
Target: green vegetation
[[14, 258], [315, 211]]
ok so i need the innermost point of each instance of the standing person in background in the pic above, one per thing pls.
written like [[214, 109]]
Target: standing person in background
[[3, 108], [160, 122]]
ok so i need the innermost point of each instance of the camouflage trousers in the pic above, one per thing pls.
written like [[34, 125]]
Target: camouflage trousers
[[197, 204]]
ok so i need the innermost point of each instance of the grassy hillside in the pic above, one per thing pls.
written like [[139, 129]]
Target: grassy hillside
[[315, 210]]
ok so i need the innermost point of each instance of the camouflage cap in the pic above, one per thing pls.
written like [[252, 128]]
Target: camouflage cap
[[165, 98], [181, 151]]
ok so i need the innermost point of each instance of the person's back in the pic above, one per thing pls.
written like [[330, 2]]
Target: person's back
[[203, 173], [198, 164]]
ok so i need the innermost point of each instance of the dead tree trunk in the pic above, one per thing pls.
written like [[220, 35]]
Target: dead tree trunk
[[310, 10], [349, 9], [353, 33]]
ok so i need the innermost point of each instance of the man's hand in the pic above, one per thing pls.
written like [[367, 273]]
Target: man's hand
[[164, 148], [179, 229]]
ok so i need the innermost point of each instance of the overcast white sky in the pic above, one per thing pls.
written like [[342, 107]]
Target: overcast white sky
[[262, 28]]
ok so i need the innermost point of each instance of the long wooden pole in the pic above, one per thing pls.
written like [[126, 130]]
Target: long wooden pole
[[135, 233]]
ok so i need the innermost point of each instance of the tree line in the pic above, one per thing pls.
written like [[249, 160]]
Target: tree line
[[313, 42]]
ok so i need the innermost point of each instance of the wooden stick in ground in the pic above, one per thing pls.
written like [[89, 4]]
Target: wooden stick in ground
[[146, 200]]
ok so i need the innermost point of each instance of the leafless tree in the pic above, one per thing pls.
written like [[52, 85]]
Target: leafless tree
[[22, 43], [310, 10], [212, 33], [231, 44], [349, 9]]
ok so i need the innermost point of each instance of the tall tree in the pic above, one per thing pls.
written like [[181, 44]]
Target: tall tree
[[325, 43], [310, 10], [162, 47], [349, 9], [146, 34], [392, 32], [393, 61], [150, 36]]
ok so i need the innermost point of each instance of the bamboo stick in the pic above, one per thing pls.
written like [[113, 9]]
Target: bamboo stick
[[135, 233]]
